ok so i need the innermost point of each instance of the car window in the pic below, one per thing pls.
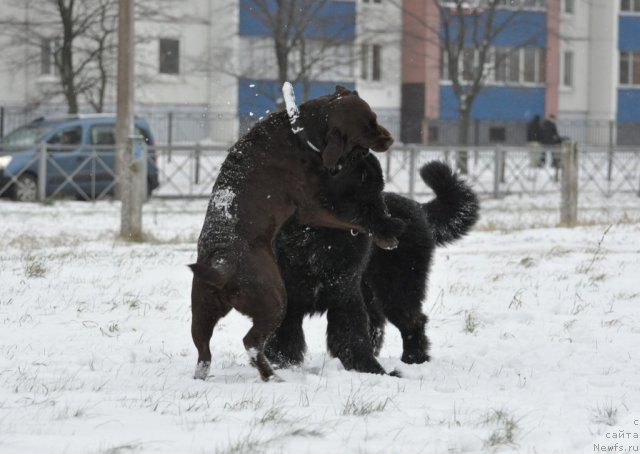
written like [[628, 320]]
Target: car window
[[67, 137], [106, 135], [103, 135], [27, 135]]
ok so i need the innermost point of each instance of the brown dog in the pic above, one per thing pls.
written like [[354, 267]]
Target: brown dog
[[269, 176]]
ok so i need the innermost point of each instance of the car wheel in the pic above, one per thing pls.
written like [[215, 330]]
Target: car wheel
[[26, 188]]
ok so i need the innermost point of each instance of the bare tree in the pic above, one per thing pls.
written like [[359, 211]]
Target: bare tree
[[73, 40], [76, 42], [307, 37], [466, 34]]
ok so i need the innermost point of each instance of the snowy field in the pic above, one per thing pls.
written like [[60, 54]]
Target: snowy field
[[535, 334]]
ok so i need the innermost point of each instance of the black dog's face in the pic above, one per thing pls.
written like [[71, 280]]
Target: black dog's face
[[352, 124]]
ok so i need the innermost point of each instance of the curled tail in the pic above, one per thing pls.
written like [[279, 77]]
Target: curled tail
[[455, 209]]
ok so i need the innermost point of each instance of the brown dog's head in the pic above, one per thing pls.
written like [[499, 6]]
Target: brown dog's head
[[351, 124]]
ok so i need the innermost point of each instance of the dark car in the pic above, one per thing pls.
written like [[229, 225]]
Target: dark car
[[81, 157]]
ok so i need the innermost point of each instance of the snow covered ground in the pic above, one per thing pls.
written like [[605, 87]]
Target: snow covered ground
[[535, 332]]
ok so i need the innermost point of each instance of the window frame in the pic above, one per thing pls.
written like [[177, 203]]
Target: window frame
[[569, 7], [630, 6], [568, 65], [630, 78], [371, 62], [164, 67], [48, 49], [67, 147]]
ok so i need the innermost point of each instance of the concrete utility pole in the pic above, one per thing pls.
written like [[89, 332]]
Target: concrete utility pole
[[131, 165]]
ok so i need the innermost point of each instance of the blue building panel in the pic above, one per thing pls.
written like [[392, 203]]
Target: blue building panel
[[257, 98], [496, 103], [522, 28], [628, 105], [333, 19], [629, 33]]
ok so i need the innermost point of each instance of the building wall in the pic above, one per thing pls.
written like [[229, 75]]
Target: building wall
[[383, 95], [603, 60], [502, 101], [573, 103]]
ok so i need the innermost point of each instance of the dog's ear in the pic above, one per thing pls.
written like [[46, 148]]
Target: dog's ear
[[341, 91], [334, 150]]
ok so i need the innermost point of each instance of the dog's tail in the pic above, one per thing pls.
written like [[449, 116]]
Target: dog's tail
[[455, 209]]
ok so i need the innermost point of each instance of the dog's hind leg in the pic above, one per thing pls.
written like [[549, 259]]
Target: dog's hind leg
[[206, 310], [286, 347], [264, 300]]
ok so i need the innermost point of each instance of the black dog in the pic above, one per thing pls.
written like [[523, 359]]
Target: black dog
[[360, 286]]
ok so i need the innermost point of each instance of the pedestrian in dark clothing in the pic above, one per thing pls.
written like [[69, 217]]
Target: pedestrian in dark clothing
[[534, 136], [549, 132], [550, 136], [534, 130]]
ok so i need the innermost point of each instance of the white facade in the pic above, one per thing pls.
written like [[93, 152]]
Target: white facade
[[384, 95], [590, 34], [203, 86]]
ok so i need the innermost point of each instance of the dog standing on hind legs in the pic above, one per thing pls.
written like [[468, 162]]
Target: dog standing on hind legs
[[268, 177]]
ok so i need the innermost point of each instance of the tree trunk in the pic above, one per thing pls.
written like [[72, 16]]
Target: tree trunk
[[462, 158], [281, 33], [65, 64]]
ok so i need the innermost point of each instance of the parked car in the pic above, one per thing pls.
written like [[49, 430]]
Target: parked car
[[81, 157]]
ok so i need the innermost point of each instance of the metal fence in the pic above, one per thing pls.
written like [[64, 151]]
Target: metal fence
[[190, 171], [497, 172], [171, 125], [503, 133]]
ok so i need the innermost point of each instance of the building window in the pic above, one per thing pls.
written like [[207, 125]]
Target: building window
[[516, 66], [444, 65], [497, 134], [529, 73], [468, 64], [630, 5], [500, 58], [513, 66], [48, 49], [630, 68], [169, 56], [568, 6], [525, 4], [371, 62], [567, 77]]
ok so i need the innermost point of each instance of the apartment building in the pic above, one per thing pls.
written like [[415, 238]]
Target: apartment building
[[207, 69], [576, 59]]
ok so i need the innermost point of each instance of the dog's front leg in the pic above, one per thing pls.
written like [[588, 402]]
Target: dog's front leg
[[321, 217]]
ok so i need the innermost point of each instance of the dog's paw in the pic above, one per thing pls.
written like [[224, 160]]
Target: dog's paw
[[417, 357], [386, 243], [275, 379], [202, 370]]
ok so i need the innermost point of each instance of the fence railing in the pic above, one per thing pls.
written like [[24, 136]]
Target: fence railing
[[88, 172], [172, 125]]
